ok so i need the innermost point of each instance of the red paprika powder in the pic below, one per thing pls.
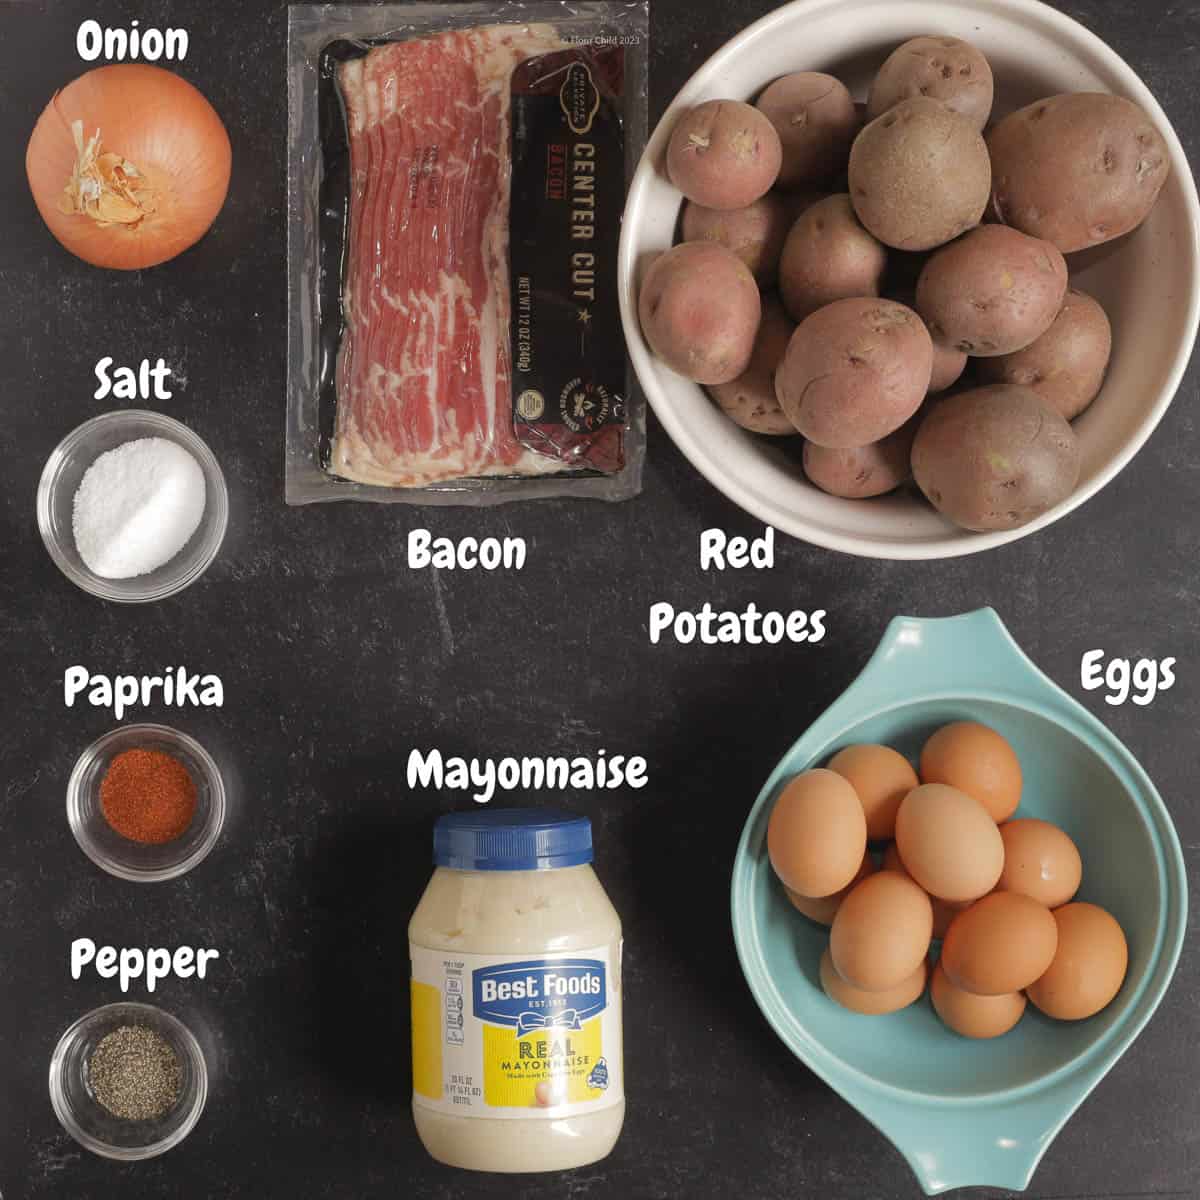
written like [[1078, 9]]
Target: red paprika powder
[[148, 796]]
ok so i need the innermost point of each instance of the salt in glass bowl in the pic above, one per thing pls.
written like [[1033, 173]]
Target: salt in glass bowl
[[60, 481], [88, 1121], [121, 856]]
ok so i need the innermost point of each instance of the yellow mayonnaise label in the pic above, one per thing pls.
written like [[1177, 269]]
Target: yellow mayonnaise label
[[541, 1069], [495, 1036], [426, 1044]]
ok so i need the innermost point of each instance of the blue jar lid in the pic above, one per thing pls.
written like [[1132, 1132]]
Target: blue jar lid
[[511, 839]]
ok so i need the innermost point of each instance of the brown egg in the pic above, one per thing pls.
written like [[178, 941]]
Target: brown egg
[[822, 910], [949, 843], [944, 911], [871, 1003], [817, 834], [978, 761], [882, 778], [1040, 861], [973, 1016], [881, 933], [1001, 944], [1089, 965]]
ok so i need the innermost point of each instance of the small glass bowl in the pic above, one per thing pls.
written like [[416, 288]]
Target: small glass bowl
[[119, 855], [63, 472], [88, 1121]]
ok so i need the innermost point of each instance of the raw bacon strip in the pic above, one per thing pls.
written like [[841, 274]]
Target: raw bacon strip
[[423, 369]]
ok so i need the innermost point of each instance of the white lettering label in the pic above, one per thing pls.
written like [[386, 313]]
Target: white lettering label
[[144, 382], [492, 554], [177, 688], [720, 551], [484, 777], [94, 41], [751, 626], [130, 963], [1125, 679]]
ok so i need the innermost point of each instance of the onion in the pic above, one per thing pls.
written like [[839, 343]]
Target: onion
[[128, 165]]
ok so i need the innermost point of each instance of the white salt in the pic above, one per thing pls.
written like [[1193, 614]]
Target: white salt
[[137, 506]]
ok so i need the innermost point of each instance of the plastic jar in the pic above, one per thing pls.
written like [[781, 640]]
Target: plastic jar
[[516, 996]]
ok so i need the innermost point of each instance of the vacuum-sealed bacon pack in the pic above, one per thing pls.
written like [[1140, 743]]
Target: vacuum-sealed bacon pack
[[456, 181]]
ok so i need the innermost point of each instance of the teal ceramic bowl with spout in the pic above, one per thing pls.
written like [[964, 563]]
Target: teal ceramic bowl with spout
[[966, 1113]]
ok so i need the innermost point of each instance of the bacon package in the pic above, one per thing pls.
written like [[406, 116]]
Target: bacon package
[[456, 180]]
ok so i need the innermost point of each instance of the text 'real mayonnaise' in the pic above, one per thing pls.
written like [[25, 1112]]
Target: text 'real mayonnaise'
[[516, 996]]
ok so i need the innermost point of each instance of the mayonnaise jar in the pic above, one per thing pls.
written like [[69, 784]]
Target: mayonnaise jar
[[516, 996]]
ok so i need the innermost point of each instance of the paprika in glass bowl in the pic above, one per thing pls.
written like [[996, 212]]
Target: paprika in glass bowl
[[146, 802]]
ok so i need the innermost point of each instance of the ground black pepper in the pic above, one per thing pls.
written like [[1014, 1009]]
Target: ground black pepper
[[134, 1073]]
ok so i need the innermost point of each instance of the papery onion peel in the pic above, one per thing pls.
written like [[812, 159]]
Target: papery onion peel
[[128, 165]]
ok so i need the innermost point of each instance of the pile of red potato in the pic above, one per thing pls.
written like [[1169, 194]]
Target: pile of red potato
[[836, 279]]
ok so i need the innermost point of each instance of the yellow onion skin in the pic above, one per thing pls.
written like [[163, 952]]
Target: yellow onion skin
[[161, 124]]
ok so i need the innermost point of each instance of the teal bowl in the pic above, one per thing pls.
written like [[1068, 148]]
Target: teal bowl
[[969, 1113]]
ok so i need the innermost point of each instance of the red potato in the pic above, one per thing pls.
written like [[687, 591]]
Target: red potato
[[828, 256], [755, 233], [1077, 170], [948, 366], [855, 371], [724, 154], [1067, 364], [992, 291], [945, 69], [749, 400], [862, 472], [699, 308], [816, 120], [948, 362], [994, 457], [919, 175]]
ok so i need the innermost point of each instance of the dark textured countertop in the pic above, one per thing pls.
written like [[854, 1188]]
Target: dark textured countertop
[[337, 660]]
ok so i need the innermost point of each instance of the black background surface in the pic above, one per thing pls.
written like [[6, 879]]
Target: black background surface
[[337, 660]]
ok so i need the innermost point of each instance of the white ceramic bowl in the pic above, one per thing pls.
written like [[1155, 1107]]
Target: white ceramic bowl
[[1148, 282]]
